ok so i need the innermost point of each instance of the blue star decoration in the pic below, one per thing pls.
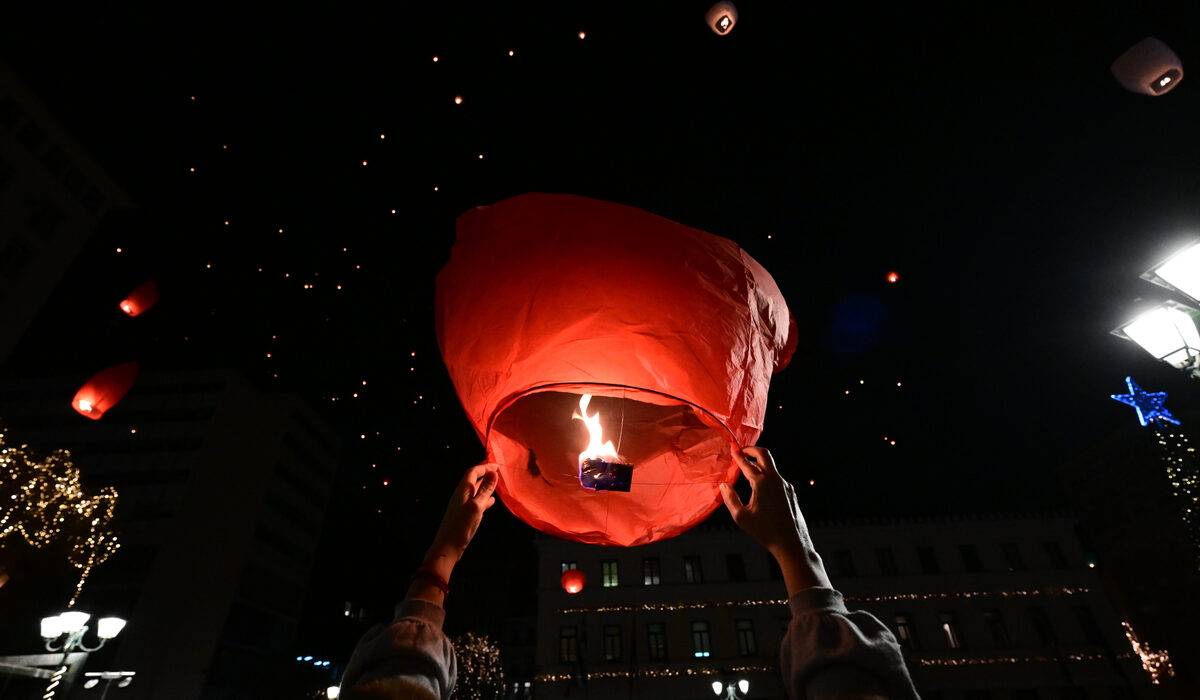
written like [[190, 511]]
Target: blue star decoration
[[1148, 404]]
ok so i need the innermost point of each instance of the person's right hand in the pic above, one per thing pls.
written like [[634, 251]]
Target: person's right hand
[[773, 517]]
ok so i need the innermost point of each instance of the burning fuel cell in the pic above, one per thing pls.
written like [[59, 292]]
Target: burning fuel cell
[[1148, 67], [600, 468]]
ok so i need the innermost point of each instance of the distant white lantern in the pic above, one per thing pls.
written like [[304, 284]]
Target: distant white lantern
[[721, 17], [1148, 67]]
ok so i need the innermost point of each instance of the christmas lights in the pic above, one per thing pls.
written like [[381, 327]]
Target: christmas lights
[[1156, 663], [661, 673], [480, 673]]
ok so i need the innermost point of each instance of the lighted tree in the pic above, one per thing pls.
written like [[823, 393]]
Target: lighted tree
[[480, 674], [42, 501], [1178, 455]]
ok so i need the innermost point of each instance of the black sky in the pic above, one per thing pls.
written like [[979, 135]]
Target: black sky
[[983, 152]]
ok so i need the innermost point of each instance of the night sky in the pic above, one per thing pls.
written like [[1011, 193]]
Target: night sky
[[985, 154]]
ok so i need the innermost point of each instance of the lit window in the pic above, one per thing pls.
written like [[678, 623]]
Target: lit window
[[609, 574], [567, 566], [745, 636], [656, 640], [568, 644], [650, 572], [612, 642], [950, 630], [905, 633], [692, 573], [701, 642]]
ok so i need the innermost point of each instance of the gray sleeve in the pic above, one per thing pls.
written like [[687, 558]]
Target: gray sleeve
[[829, 652], [412, 648]]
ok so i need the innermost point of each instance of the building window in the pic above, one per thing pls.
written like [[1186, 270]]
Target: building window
[[13, 258], [736, 566], [1087, 623], [701, 643], [568, 644], [950, 630], [567, 566], [887, 561], [843, 563], [906, 633], [612, 642], [1041, 625], [928, 559], [745, 635], [1055, 554], [995, 623], [775, 572], [656, 640], [608, 573], [651, 576], [1012, 555], [970, 557], [692, 573]]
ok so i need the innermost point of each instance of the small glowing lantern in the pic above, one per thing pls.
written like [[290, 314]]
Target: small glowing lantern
[[1148, 67], [573, 580], [610, 361], [721, 17], [141, 299], [104, 390]]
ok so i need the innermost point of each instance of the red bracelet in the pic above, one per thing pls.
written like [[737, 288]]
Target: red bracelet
[[440, 583]]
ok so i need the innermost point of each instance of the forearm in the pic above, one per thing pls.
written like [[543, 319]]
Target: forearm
[[801, 566], [439, 560]]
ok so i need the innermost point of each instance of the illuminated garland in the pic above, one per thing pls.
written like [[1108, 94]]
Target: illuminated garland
[[661, 673], [988, 660], [480, 673], [694, 605], [41, 500], [1184, 476], [1156, 663]]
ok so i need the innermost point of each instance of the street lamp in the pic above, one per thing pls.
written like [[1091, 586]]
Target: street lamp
[[1180, 272], [72, 625], [1168, 332], [731, 689], [121, 678]]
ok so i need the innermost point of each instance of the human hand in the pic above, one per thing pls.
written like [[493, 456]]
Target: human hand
[[773, 517], [473, 495]]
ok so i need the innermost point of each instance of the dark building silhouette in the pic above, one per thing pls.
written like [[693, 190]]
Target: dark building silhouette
[[223, 493]]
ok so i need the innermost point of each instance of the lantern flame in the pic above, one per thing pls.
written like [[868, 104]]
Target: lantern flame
[[595, 448], [85, 405]]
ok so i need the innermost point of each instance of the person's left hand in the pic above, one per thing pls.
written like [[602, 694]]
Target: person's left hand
[[473, 495]]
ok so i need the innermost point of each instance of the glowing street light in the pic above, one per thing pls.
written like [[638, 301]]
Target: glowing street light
[[733, 691], [1168, 332], [1180, 272]]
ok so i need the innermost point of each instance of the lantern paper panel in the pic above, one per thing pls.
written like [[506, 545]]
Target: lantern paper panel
[[1148, 67], [104, 390], [675, 333], [721, 17], [141, 299]]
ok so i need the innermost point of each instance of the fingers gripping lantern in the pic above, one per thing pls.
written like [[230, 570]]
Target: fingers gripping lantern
[[561, 316]]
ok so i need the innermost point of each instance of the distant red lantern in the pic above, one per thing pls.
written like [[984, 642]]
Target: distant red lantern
[[1148, 67], [568, 324], [721, 17], [141, 299], [105, 390], [573, 580], [893, 277]]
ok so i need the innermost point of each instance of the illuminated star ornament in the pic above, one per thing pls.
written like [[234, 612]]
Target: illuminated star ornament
[[1148, 404]]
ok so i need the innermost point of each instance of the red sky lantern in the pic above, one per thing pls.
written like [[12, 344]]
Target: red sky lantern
[[609, 359], [104, 390], [573, 580], [141, 299]]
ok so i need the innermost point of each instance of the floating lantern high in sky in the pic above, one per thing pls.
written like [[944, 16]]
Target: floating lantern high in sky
[[141, 299], [1148, 67], [104, 390], [721, 17], [610, 361]]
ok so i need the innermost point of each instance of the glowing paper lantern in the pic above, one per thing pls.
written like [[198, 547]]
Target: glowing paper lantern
[[104, 390], [573, 580], [1148, 67], [671, 333], [141, 299], [721, 17]]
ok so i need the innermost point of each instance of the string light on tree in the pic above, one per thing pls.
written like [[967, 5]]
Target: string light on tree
[[1156, 663], [480, 673]]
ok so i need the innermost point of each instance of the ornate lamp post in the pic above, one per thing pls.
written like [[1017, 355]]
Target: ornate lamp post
[[733, 691], [1169, 330], [64, 633]]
